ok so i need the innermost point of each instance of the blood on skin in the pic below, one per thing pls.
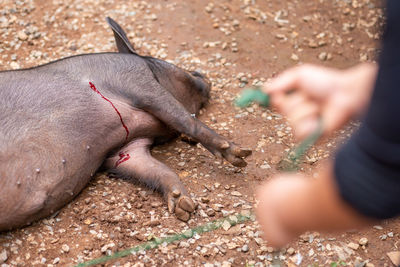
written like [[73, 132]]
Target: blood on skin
[[122, 158], [116, 110]]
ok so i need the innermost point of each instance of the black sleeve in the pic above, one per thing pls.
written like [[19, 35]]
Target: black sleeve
[[367, 168]]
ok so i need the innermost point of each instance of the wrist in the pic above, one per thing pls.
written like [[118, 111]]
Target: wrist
[[361, 81]]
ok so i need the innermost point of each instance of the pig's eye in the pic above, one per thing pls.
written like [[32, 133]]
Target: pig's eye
[[197, 74]]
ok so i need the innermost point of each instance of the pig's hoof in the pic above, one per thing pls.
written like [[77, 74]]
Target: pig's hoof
[[181, 205], [234, 154]]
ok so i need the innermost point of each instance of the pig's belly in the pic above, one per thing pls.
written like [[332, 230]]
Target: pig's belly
[[40, 177], [29, 192]]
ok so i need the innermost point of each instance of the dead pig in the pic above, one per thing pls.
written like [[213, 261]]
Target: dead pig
[[62, 121]]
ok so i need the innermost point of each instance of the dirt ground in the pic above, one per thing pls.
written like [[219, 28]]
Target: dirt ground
[[237, 44]]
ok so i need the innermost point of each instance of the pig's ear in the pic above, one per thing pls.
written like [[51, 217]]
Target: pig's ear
[[123, 44]]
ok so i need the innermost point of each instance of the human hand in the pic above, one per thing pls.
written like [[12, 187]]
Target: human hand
[[308, 93]]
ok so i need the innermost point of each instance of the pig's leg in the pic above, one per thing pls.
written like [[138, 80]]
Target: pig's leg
[[170, 111], [135, 162]]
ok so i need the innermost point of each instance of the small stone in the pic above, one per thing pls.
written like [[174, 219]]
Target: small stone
[[394, 256], [294, 57], [3, 256], [184, 244], [353, 246], [181, 164], [265, 166], [280, 36], [210, 212], [226, 225], [156, 204], [205, 199], [245, 248], [236, 194], [323, 56], [312, 44], [280, 134], [363, 241], [14, 65], [152, 223], [106, 247], [217, 207], [290, 251], [65, 248], [56, 260], [22, 36], [311, 253]]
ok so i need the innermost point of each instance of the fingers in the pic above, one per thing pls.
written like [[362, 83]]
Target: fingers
[[308, 93], [285, 82], [302, 113]]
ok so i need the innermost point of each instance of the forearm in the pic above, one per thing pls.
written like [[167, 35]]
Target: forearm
[[320, 207], [292, 204]]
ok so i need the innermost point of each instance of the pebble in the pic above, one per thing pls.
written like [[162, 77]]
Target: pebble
[[290, 251], [363, 241], [294, 57], [106, 247], [205, 199], [22, 35], [184, 244], [323, 56], [236, 194], [353, 246], [394, 256], [226, 225], [65, 248], [311, 253], [210, 212], [245, 248], [3, 256], [14, 65]]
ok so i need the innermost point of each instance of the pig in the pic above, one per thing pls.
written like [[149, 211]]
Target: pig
[[63, 121]]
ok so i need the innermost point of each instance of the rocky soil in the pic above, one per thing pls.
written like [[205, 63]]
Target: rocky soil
[[237, 44]]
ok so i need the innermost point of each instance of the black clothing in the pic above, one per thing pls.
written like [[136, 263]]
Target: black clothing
[[367, 168]]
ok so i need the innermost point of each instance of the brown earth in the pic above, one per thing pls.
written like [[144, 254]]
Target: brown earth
[[237, 44]]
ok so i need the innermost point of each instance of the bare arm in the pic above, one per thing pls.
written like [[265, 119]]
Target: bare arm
[[292, 203]]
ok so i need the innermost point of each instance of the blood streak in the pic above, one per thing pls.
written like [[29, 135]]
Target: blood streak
[[116, 110], [122, 158]]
